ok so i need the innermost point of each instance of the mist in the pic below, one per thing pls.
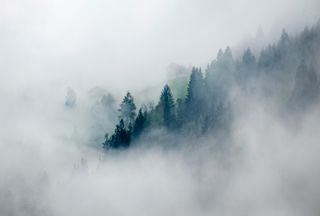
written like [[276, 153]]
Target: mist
[[65, 66], [107, 43]]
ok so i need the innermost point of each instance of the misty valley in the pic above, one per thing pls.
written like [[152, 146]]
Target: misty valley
[[205, 102], [131, 108]]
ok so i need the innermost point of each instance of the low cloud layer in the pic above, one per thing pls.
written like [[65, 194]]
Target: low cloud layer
[[51, 161], [267, 167]]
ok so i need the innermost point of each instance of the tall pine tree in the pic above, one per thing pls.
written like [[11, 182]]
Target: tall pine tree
[[166, 107], [121, 138], [195, 95], [139, 124], [127, 110]]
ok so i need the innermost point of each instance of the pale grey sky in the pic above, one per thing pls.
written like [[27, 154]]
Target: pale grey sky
[[47, 46], [127, 44]]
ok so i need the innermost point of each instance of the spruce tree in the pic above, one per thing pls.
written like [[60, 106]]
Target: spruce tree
[[121, 138], [195, 95], [123, 134], [180, 116], [139, 124], [127, 110], [166, 107]]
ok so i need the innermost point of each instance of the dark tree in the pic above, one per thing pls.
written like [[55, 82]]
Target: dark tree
[[124, 134], [127, 110], [139, 124], [180, 116], [195, 95], [166, 107], [286, 70], [119, 139]]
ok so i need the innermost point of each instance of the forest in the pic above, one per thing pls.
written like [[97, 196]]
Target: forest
[[284, 72], [159, 107]]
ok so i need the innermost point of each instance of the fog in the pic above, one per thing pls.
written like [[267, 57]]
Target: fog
[[49, 163], [115, 43], [270, 168]]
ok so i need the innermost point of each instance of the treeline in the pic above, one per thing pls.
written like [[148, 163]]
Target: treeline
[[287, 68]]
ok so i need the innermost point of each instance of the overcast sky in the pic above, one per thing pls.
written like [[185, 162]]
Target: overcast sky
[[47, 46], [128, 44]]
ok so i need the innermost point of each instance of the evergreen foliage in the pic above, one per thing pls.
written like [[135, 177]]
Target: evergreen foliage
[[207, 105], [120, 138], [166, 107], [139, 124], [195, 95], [127, 110]]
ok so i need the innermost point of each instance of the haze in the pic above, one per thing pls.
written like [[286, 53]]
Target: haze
[[115, 43], [58, 58]]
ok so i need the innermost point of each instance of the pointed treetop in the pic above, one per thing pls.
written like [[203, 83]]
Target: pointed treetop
[[228, 53], [220, 55], [167, 106], [127, 110]]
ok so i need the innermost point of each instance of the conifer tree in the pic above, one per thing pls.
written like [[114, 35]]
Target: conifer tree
[[127, 110], [139, 124], [180, 116], [166, 107], [119, 139], [195, 94]]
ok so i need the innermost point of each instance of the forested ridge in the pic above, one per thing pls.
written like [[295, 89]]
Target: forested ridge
[[285, 71]]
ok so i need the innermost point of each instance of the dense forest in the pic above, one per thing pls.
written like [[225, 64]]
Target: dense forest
[[285, 71]]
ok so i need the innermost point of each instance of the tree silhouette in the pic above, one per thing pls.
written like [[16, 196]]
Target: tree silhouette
[[139, 124], [195, 95], [119, 139], [127, 110], [208, 104], [166, 107]]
